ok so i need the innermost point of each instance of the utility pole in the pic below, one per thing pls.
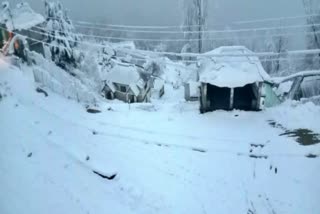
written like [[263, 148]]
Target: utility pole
[[307, 7], [200, 23], [11, 17]]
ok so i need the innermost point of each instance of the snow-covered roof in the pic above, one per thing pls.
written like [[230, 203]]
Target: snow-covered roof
[[23, 17], [111, 86], [231, 71], [126, 75], [135, 89], [123, 74], [299, 74]]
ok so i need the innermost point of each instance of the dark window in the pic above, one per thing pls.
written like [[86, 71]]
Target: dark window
[[123, 88]]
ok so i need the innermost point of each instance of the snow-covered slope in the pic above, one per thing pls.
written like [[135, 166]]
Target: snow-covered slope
[[166, 156], [50, 76]]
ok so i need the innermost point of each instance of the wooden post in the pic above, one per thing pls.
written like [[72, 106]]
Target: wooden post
[[231, 98], [259, 107], [205, 94]]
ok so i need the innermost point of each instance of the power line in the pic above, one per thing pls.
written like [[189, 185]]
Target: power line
[[275, 19], [261, 54], [153, 53], [210, 31], [181, 26], [185, 40]]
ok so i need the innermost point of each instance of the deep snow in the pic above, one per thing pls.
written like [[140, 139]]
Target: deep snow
[[168, 158]]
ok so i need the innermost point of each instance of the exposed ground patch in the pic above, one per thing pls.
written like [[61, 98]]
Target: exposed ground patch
[[93, 111], [108, 177], [304, 137]]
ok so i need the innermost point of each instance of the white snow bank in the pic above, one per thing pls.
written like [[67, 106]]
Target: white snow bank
[[177, 74], [158, 84], [23, 17], [296, 115], [155, 153], [194, 89], [231, 71], [58, 80]]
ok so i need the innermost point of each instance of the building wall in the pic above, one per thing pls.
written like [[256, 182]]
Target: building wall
[[33, 39], [129, 96], [206, 106], [4, 35]]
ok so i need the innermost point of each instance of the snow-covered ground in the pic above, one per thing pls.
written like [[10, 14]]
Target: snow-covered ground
[[167, 157]]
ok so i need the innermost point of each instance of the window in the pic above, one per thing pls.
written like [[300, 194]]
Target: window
[[310, 87], [123, 88]]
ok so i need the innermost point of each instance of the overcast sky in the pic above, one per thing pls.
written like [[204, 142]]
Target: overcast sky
[[168, 12]]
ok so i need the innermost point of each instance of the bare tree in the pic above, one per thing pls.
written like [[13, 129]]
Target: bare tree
[[312, 9], [194, 19], [275, 65]]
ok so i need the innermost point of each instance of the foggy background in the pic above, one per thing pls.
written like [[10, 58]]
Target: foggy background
[[169, 12]]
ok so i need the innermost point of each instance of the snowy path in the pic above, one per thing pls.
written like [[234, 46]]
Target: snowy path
[[171, 160]]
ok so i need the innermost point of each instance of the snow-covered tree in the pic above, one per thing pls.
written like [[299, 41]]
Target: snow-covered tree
[[5, 14], [186, 49], [105, 56], [277, 43], [161, 47], [281, 47], [194, 20], [154, 67], [61, 38], [312, 9]]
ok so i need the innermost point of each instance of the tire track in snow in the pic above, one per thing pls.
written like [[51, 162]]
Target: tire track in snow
[[190, 137], [162, 144]]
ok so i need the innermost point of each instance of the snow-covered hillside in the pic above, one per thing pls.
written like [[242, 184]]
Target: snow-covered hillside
[[167, 157]]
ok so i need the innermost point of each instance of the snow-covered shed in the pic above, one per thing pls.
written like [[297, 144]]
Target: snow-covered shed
[[126, 82], [20, 20], [231, 78]]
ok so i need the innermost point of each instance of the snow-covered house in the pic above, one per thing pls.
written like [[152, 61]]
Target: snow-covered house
[[231, 81], [19, 23], [128, 83]]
